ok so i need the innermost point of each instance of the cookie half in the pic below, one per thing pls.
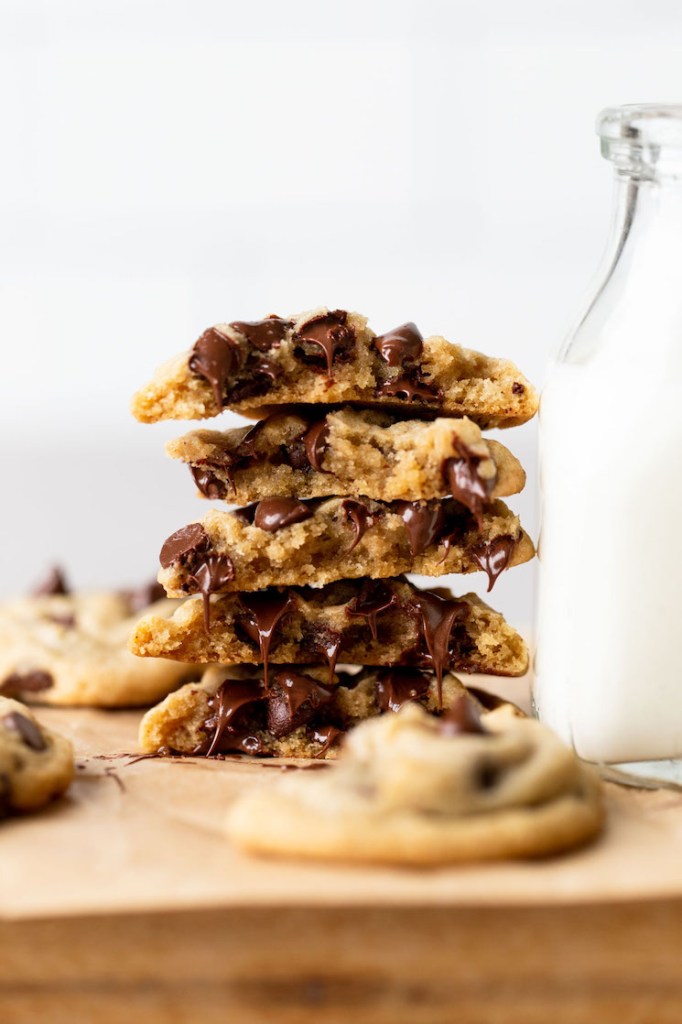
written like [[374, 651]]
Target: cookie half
[[414, 790], [331, 356], [285, 541], [361, 622], [305, 711], [36, 764], [350, 452]]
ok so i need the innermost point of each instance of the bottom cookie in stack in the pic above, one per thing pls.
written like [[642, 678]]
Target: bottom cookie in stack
[[302, 712]]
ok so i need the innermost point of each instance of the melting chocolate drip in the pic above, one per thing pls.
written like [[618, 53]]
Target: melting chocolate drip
[[398, 686], [493, 557], [32, 681], [464, 482], [410, 388], [462, 717], [361, 518], [216, 358], [423, 523], [315, 442], [273, 514], [191, 548], [210, 485], [141, 597], [211, 573], [183, 544], [329, 332], [327, 735], [233, 696], [326, 642], [264, 611], [30, 734], [400, 346], [53, 584], [263, 334], [437, 618], [293, 700], [259, 376], [375, 597]]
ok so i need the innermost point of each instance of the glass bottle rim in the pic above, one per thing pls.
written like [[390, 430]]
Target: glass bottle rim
[[643, 139]]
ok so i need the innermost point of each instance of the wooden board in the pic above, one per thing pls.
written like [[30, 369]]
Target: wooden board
[[126, 899]]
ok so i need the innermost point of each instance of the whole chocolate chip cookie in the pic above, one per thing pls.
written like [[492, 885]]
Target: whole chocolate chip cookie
[[36, 764]]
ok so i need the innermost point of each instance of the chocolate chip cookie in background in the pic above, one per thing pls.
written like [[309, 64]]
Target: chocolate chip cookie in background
[[61, 647], [345, 499], [412, 789], [36, 764]]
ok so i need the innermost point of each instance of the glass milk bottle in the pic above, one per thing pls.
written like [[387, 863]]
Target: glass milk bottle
[[609, 658]]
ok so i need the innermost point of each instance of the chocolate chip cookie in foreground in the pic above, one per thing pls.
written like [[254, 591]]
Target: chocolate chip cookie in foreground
[[362, 622], [71, 649], [350, 452], [36, 764], [304, 712], [331, 356], [411, 789], [284, 541]]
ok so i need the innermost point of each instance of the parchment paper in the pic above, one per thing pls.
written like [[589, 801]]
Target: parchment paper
[[148, 836]]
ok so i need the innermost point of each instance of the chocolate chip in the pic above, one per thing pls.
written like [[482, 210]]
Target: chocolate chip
[[330, 333], [493, 556], [187, 541], [53, 584], [402, 345], [315, 441], [410, 387], [517, 388], [328, 736], [273, 514], [361, 518], [461, 474], [462, 717], [263, 334], [210, 485], [398, 686], [423, 523], [375, 597], [264, 611], [30, 734], [32, 681], [293, 700], [216, 358]]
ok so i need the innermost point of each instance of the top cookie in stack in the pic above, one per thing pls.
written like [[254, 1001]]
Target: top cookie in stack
[[369, 463]]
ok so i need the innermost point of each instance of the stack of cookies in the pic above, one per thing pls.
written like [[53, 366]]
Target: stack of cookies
[[366, 462]]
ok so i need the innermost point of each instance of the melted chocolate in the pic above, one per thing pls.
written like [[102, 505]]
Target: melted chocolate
[[293, 700], [400, 346], [273, 514], [330, 333], [32, 681], [216, 358], [31, 735], [263, 334], [464, 482], [374, 598], [398, 686], [326, 642], [437, 617], [327, 735], [264, 610], [53, 584], [462, 717], [410, 387], [183, 544], [233, 696], [211, 573], [361, 518], [493, 557], [424, 523], [210, 485], [315, 442]]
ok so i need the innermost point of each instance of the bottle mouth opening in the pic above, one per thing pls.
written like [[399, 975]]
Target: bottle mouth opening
[[643, 138]]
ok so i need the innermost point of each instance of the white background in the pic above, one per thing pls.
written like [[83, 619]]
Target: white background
[[170, 164]]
